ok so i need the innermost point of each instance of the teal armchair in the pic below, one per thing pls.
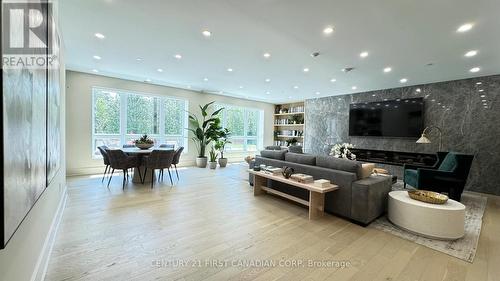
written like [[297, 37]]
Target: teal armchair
[[448, 175]]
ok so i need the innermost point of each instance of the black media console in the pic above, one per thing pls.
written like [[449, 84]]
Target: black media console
[[395, 157]]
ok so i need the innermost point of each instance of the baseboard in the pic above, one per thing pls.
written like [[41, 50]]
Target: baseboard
[[44, 257]]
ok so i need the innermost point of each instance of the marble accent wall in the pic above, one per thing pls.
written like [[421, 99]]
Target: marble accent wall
[[456, 107]]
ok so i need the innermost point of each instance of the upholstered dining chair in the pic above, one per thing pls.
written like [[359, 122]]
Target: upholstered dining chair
[[158, 159], [177, 157], [171, 146], [121, 161], [105, 158]]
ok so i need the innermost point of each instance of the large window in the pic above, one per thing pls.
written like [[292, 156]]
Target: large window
[[246, 126], [119, 117]]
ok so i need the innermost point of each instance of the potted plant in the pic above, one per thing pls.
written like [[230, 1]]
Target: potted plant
[[213, 158], [144, 142], [205, 130], [221, 144]]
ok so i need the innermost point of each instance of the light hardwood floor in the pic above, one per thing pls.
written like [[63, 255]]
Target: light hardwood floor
[[212, 217]]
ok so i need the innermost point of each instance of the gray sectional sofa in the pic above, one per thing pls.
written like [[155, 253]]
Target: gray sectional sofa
[[357, 199]]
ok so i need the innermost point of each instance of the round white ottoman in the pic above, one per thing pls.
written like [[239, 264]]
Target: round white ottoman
[[446, 221]]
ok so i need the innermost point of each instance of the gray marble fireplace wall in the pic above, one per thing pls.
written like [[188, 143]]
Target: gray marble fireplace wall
[[455, 106]]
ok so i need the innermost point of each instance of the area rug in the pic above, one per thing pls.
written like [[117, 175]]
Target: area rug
[[463, 248]]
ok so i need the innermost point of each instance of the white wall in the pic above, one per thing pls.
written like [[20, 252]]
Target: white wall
[[26, 255], [79, 117]]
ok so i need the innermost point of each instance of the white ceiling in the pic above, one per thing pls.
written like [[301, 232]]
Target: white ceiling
[[403, 34]]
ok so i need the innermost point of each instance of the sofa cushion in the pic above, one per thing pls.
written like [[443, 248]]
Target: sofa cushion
[[273, 147], [306, 159], [295, 149], [339, 164], [274, 154]]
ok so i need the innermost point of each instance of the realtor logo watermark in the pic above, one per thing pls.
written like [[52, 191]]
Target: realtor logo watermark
[[27, 35]]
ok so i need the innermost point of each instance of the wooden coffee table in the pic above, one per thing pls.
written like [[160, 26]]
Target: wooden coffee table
[[316, 201]]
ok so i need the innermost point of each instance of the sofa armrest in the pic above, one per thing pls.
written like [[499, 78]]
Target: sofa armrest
[[369, 198]]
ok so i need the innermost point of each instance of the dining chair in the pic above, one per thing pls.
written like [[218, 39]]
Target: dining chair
[[158, 159], [102, 149], [171, 146], [177, 157], [121, 161], [105, 158]]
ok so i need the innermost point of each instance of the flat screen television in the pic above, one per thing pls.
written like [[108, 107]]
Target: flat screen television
[[401, 118]]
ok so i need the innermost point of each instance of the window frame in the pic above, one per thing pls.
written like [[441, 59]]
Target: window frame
[[123, 136], [259, 137]]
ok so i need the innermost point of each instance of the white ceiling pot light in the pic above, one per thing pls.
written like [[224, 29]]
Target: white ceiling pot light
[[465, 27], [224, 36]]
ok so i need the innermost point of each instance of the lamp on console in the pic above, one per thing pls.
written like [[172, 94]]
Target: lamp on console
[[424, 138]]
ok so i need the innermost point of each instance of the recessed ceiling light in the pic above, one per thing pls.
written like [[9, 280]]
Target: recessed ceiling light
[[479, 83], [295, 87], [230, 70], [241, 87], [268, 93], [205, 79], [138, 59], [159, 70], [481, 90], [206, 33], [387, 69], [95, 70], [403, 80], [465, 27], [306, 69], [318, 93], [267, 55], [363, 54], [475, 69], [97, 57], [267, 80], [328, 30], [99, 35], [354, 87], [484, 101], [418, 90], [483, 96], [333, 80], [178, 56], [374, 95], [471, 53]]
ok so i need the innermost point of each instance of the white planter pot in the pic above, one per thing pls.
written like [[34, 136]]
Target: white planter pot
[[222, 162], [201, 162], [212, 165]]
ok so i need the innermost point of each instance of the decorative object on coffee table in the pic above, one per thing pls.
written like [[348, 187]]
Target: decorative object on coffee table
[[144, 142], [302, 178], [428, 196], [322, 183], [287, 172]]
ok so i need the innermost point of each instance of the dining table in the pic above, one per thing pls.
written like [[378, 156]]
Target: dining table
[[140, 153]]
